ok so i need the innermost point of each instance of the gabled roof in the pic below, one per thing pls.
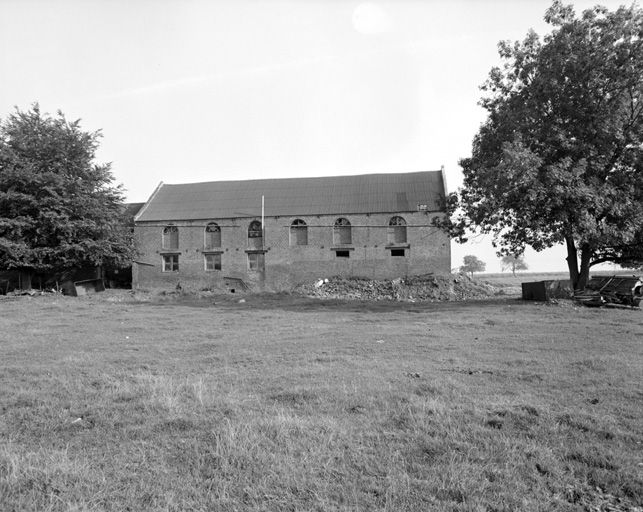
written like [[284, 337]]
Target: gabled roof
[[367, 193]]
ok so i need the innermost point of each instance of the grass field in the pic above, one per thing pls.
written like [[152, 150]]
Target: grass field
[[288, 404], [507, 279]]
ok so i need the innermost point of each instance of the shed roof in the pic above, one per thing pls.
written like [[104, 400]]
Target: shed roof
[[366, 193], [131, 209]]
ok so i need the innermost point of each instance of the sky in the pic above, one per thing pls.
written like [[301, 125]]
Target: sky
[[195, 90]]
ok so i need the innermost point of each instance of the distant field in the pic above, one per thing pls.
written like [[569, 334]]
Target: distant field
[[506, 279], [115, 402]]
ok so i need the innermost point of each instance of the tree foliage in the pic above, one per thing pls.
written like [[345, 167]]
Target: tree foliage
[[513, 262], [560, 156], [472, 264], [58, 209]]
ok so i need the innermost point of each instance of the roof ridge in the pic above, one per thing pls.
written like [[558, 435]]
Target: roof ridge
[[334, 176]]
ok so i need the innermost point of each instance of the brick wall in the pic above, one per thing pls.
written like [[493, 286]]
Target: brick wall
[[427, 250]]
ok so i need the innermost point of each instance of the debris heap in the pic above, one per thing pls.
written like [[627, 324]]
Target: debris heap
[[428, 287], [617, 290]]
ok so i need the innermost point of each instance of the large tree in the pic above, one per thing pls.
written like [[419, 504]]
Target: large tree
[[58, 208], [559, 159]]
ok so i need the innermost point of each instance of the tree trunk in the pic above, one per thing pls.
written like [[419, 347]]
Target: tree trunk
[[572, 261], [25, 279], [585, 258]]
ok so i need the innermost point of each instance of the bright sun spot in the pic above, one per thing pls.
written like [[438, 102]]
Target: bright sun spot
[[370, 18]]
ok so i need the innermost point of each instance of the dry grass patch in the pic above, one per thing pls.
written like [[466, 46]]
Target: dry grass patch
[[291, 404]]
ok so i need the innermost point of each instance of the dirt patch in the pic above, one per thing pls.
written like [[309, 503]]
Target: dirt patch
[[429, 287]]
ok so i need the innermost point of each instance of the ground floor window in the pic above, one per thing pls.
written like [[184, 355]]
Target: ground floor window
[[170, 262], [256, 261], [342, 254], [398, 252], [212, 262]]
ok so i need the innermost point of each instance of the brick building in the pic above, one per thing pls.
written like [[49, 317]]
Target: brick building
[[206, 235]]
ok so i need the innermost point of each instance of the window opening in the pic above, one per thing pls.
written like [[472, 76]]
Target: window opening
[[398, 252], [342, 232], [212, 236], [298, 232], [170, 262], [256, 261], [255, 235], [170, 237], [342, 254], [212, 262], [397, 230]]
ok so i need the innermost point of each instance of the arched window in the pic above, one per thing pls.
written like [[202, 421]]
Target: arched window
[[255, 235], [397, 231], [170, 237], [298, 232], [342, 232], [212, 236]]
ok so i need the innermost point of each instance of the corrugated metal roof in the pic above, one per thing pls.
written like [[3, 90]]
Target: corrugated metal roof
[[367, 193]]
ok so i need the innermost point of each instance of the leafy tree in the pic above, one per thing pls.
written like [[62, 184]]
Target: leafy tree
[[560, 158], [513, 262], [58, 209], [472, 264]]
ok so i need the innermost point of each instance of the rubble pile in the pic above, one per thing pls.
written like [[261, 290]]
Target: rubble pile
[[428, 287]]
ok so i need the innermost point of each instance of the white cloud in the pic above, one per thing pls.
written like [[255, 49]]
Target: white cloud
[[370, 18], [158, 87]]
